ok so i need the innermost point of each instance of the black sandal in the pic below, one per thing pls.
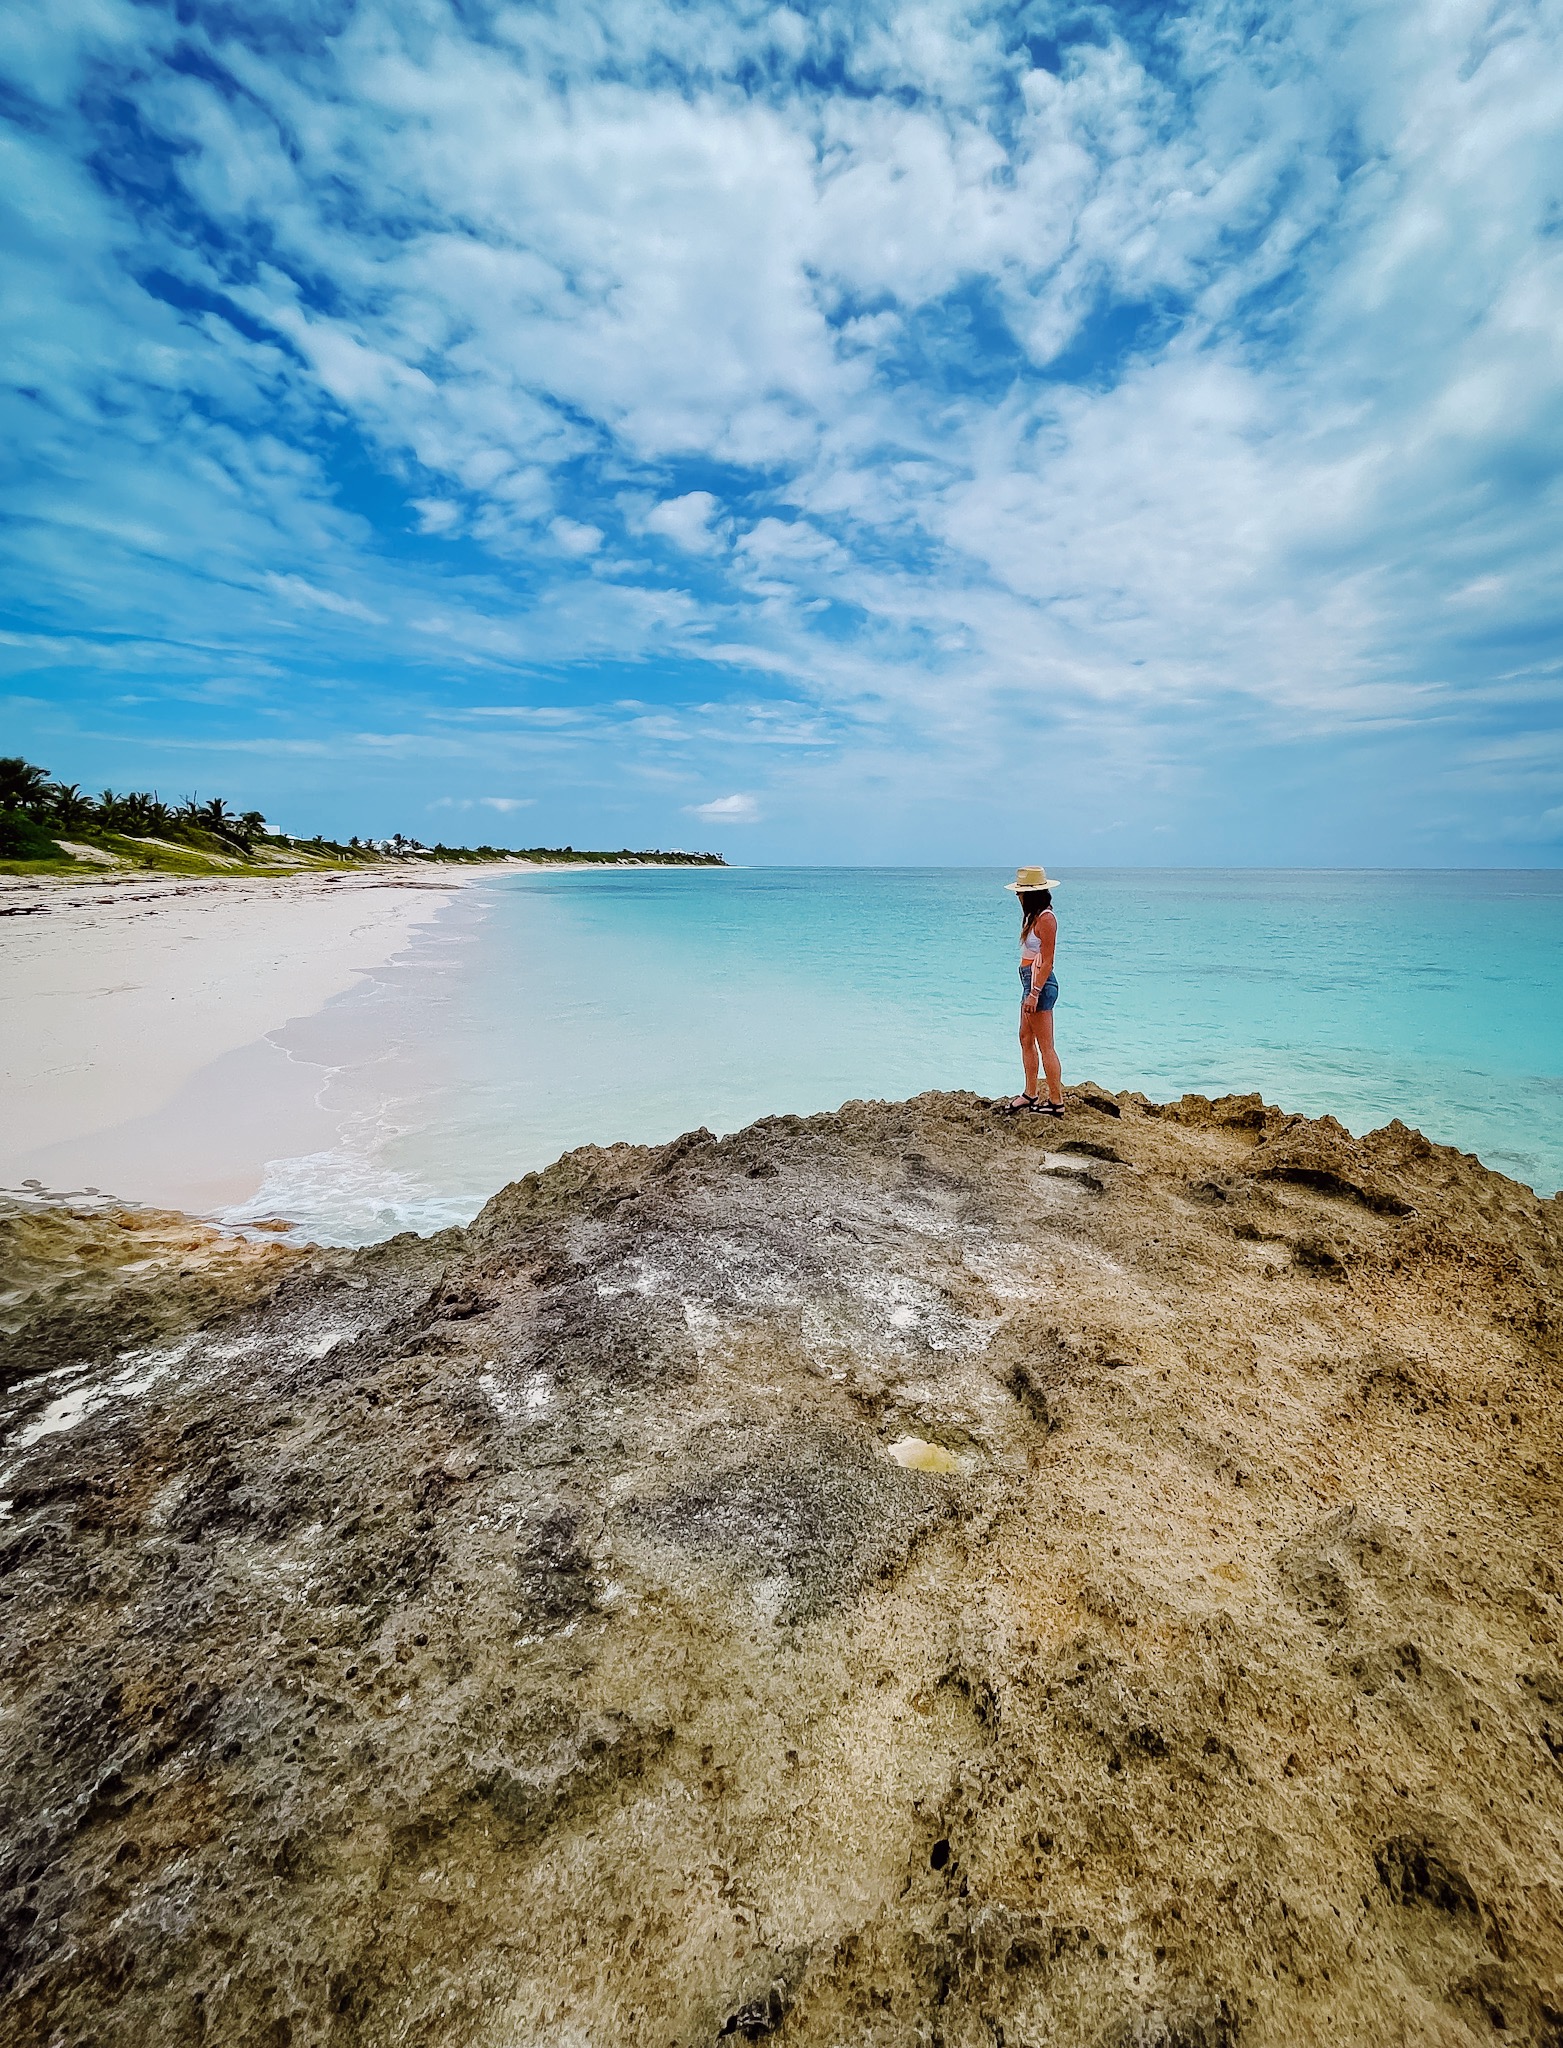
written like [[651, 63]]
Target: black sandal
[[1047, 1108], [1020, 1104]]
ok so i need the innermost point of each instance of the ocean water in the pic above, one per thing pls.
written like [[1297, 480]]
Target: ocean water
[[549, 1009]]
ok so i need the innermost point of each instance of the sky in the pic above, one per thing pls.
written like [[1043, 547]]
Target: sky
[[1103, 435]]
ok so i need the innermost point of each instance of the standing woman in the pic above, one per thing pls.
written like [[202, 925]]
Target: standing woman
[[1038, 991]]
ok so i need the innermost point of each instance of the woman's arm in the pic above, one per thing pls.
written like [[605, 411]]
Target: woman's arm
[[1046, 929]]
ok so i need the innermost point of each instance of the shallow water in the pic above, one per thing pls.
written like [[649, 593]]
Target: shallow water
[[545, 1010]]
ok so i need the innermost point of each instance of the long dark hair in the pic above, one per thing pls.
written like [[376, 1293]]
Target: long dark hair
[[1032, 904]]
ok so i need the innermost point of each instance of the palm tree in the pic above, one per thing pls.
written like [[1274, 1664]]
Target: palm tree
[[69, 804], [217, 819], [237, 831], [22, 786], [122, 813]]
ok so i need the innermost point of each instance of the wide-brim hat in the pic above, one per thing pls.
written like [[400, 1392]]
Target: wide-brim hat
[[1027, 879]]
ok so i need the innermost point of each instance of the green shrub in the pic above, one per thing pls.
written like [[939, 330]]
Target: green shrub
[[21, 839]]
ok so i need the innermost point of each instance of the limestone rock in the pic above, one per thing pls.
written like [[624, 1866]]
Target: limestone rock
[[530, 1635]]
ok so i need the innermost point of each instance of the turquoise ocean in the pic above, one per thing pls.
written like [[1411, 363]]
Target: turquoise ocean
[[547, 1009]]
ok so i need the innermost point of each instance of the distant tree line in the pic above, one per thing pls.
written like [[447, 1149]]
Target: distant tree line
[[26, 792], [34, 809]]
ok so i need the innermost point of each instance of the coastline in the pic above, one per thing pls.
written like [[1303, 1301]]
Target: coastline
[[131, 1013], [451, 1098]]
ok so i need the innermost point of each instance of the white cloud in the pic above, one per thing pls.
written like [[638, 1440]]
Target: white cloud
[[686, 521], [436, 515], [528, 714], [489, 803], [739, 809], [575, 537], [296, 591], [773, 542], [766, 659]]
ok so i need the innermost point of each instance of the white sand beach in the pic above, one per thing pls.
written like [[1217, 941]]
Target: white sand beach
[[133, 1012]]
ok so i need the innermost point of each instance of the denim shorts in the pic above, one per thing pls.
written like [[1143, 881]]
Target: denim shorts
[[1049, 995]]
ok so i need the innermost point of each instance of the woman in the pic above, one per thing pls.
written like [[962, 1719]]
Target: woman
[[1038, 991]]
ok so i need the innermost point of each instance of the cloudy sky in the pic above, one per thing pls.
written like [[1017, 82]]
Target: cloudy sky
[[872, 432]]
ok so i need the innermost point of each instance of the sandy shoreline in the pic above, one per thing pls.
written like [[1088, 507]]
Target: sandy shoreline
[[131, 1011]]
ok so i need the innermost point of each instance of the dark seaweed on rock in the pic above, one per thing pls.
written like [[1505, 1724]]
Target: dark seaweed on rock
[[526, 1635]]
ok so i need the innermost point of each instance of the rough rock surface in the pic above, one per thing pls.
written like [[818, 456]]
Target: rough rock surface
[[524, 1636]]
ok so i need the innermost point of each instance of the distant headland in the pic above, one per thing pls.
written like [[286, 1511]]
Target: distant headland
[[49, 827]]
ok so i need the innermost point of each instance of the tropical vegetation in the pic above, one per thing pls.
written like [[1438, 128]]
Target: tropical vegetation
[[136, 826]]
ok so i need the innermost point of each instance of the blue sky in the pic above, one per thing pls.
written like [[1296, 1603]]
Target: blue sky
[[885, 432]]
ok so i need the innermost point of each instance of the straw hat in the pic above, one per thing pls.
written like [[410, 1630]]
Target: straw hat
[[1027, 879]]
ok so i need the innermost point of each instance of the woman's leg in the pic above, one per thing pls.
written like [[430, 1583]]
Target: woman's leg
[[1050, 1066], [1029, 1056]]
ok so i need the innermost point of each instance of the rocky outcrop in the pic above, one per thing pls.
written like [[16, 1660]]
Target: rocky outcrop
[[527, 1636]]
